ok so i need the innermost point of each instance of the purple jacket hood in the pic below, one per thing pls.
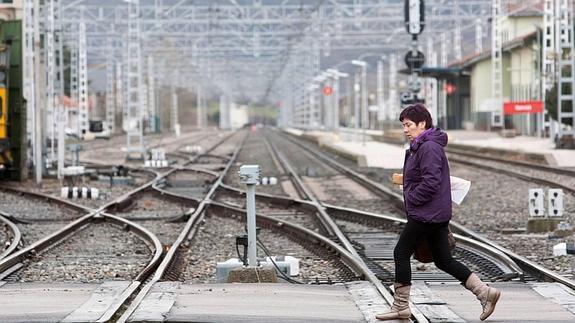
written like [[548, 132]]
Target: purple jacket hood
[[427, 187], [432, 134]]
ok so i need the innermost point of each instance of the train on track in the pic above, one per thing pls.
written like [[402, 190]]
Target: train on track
[[12, 107], [6, 160]]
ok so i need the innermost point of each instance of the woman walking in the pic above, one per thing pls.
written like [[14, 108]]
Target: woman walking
[[427, 196]]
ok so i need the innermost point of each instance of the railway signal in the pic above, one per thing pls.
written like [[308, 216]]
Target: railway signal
[[414, 60], [414, 13], [414, 16]]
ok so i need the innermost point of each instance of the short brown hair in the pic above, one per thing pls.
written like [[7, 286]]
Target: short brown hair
[[417, 113]]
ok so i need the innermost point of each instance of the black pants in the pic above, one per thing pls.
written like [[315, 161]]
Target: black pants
[[436, 235]]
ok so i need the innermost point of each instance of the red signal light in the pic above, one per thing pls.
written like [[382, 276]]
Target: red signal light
[[327, 90], [450, 88]]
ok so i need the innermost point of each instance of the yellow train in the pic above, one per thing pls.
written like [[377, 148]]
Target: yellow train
[[5, 156]]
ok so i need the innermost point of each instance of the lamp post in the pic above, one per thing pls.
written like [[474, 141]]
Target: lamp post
[[311, 116], [356, 104], [363, 66], [318, 80], [336, 76], [379, 93]]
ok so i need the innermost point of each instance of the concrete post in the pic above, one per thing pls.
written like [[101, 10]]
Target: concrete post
[[251, 220], [356, 105], [250, 175]]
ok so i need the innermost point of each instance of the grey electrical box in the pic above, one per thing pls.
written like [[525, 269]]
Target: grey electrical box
[[249, 174], [536, 202], [555, 202]]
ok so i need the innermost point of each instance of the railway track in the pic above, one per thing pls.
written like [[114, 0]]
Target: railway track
[[187, 218], [75, 252], [536, 173], [527, 269], [177, 258], [77, 249], [376, 241], [10, 236]]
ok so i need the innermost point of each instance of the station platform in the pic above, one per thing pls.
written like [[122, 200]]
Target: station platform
[[280, 302], [371, 148]]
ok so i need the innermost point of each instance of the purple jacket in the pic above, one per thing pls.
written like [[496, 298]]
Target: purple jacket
[[426, 183]]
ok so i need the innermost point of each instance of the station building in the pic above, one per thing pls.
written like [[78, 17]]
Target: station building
[[468, 82]]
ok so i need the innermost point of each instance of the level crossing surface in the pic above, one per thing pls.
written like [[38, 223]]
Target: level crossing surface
[[280, 302]]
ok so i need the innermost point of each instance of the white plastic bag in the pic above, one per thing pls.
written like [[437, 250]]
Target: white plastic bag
[[459, 189]]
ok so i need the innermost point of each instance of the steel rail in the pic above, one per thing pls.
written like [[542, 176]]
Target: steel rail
[[186, 231], [272, 199], [351, 260], [152, 239], [542, 181], [371, 185], [505, 263], [69, 229], [180, 197], [46, 197], [156, 264], [325, 219], [153, 244], [525, 264], [487, 249], [9, 261], [38, 246], [209, 150], [332, 227], [552, 169], [369, 216], [191, 228], [74, 226], [179, 147], [298, 231], [16, 236], [160, 177], [163, 191], [162, 194], [223, 158]]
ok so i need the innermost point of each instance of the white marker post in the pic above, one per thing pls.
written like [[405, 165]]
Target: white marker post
[[250, 175]]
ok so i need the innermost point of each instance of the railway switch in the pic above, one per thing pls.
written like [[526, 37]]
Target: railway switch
[[536, 205], [555, 202]]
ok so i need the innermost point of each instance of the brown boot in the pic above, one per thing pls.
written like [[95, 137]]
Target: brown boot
[[400, 308], [488, 296]]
